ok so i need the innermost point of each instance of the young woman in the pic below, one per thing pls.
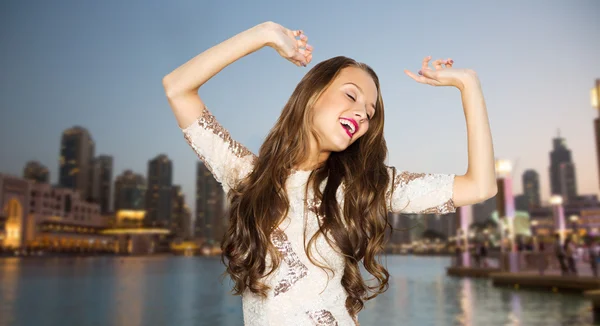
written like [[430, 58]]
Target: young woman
[[313, 203]]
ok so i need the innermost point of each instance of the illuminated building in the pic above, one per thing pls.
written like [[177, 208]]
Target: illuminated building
[[102, 168], [531, 188], [562, 171], [178, 213], [210, 219], [130, 199], [75, 164], [14, 208], [40, 217], [61, 220], [36, 171], [159, 192]]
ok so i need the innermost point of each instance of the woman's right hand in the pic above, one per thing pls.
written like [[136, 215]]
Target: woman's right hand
[[290, 44]]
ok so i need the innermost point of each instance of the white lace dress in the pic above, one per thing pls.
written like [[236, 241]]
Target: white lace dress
[[301, 293]]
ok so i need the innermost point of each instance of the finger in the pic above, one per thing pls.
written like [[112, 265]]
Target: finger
[[298, 32], [427, 73], [425, 64], [437, 64], [309, 58], [419, 79], [449, 63], [301, 43], [296, 62], [300, 58]]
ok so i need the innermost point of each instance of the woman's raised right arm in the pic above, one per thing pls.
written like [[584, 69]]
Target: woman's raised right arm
[[227, 159]]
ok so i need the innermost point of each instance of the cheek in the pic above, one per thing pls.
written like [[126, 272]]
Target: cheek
[[364, 129]]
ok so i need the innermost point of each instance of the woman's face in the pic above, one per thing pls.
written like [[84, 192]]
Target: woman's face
[[342, 113]]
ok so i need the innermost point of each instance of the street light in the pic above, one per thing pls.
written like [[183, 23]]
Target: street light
[[556, 200], [559, 215], [503, 168]]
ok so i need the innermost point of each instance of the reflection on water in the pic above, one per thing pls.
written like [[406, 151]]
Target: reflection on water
[[188, 291]]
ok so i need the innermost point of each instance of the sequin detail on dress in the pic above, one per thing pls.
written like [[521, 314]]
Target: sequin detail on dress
[[322, 318], [423, 193], [313, 205], [208, 122], [401, 179], [445, 208], [297, 269]]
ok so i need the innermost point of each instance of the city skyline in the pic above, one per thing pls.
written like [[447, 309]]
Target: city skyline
[[100, 67]]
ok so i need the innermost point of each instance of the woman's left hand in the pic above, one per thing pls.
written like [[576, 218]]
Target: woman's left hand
[[443, 74]]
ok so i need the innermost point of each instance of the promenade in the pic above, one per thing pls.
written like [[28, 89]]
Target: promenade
[[531, 270]]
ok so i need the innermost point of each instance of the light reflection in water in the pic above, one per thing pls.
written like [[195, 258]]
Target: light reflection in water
[[466, 303], [9, 284], [128, 291]]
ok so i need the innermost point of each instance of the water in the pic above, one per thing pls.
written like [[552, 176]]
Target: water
[[188, 291]]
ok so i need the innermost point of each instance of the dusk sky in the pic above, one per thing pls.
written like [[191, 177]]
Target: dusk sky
[[99, 65]]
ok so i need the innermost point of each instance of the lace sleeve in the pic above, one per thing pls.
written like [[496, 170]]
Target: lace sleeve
[[227, 160], [423, 193]]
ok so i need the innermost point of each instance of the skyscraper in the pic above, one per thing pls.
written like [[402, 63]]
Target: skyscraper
[[562, 171], [36, 171], [210, 219], [130, 191], [130, 199], [159, 193], [531, 188], [75, 164], [177, 212], [101, 182]]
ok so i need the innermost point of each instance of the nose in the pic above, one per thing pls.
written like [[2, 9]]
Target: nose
[[360, 112]]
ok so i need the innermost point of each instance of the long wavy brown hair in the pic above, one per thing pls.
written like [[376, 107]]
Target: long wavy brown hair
[[259, 203]]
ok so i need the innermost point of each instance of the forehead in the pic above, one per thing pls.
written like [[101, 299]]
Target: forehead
[[361, 78]]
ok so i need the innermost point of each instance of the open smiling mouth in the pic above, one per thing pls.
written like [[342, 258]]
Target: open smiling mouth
[[349, 125]]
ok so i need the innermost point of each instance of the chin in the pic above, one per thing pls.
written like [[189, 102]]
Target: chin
[[341, 146]]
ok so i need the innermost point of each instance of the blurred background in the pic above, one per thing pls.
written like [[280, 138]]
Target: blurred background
[[107, 217]]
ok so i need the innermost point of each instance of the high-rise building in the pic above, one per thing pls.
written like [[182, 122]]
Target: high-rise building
[[595, 99], [101, 182], [159, 193], [76, 155], [187, 223], [210, 216], [130, 191], [177, 212], [531, 188], [37, 172], [130, 199], [562, 171]]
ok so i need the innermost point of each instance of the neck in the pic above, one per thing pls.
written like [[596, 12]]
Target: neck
[[315, 158]]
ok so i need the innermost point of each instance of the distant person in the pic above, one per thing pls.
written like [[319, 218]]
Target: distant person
[[560, 255], [593, 256], [320, 173], [571, 253], [483, 253]]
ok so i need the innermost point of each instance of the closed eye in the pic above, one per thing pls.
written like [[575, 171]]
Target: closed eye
[[352, 97]]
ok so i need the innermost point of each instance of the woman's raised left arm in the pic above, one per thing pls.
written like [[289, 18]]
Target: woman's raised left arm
[[479, 182]]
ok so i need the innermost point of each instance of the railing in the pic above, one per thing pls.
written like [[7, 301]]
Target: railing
[[526, 262]]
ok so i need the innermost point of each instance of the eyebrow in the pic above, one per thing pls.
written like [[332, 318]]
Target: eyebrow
[[361, 90]]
